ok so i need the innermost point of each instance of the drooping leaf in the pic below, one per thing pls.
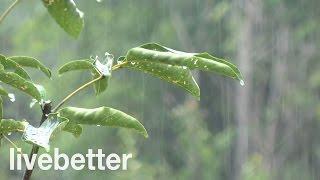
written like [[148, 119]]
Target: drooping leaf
[[102, 84], [75, 65], [11, 125], [87, 64], [42, 91], [31, 62], [102, 116], [73, 128], [20, 83], [8, 64], [66, 14], [159, 54], [103, 69], [177, 75], [3, 92]]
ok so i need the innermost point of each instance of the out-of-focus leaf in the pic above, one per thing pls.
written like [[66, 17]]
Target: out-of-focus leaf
[[11, 125], [42, 91], [1, 108], [3, 92], [67, 15], [177, 75], [20, 83], [31, 62], [159, 54], [8, 64], [102, 116]]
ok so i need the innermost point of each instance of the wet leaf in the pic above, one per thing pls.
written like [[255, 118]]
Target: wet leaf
[[73, 128], [11, 125], [1, 108], [102, 116], [3, 92], [177, 75], [75, 65], [87, 64], [8, 64], [42, 91], [67, 15], [31, 62], [101, 85], [20, 83], [159, 54]]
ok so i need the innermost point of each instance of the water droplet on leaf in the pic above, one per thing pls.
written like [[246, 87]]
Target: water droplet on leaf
[[12, 97], [241, 82]]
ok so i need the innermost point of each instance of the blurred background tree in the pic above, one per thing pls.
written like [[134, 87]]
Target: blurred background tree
[[265, 130]]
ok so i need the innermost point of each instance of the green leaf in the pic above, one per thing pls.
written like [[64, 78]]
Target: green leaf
[[15, 67], [31, 62], [102, 116], [11, 125], [101, 85], [177, 75], [1, 108], [84, 64], [42, 91], [3, 92], [73, 128], [159, 54], [20, 83], [87, 64], [67, 15]]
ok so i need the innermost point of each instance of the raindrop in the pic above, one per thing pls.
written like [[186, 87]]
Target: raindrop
[[241, 82], [184, 67], [133, 63], [12, 97], [9, 133], [32, 103], [98, 125], [195, 62]]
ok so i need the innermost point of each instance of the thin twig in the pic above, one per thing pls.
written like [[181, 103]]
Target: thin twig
[[115, 67], [7, 11], [12, 143], [75, 92]]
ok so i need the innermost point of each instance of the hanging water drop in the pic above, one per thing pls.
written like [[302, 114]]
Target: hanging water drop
[[241, 82], [12, 97]]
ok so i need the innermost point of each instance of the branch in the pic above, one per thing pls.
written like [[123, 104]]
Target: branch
[[115, 67], [46, 109], [75, 92], [4, 15]]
